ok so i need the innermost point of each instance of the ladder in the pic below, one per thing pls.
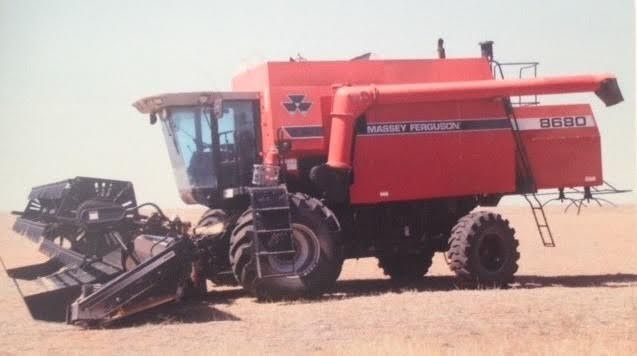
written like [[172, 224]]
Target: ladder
[[528, 186], [540, 220], [272, 226]]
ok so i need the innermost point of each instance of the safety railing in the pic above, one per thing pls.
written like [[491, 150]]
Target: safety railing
[[520, 69]]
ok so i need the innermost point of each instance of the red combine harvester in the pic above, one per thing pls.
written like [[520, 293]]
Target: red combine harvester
[[308, 163]]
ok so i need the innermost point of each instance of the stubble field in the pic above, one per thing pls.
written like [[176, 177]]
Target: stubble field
[[580, 297]]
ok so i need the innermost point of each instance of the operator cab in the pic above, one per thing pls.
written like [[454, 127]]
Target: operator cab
[[212, 141]]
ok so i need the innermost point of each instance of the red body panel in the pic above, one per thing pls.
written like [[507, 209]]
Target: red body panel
[[564, 156], [352, 101], [317, 80], [418, 149], [436, 164]]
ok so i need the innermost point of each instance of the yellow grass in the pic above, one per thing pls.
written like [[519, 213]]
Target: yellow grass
[[578, 298]]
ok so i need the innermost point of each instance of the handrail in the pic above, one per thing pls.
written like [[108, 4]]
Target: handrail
[[522, 67]]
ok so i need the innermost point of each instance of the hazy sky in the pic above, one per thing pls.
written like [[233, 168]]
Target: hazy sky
[[69, 70]]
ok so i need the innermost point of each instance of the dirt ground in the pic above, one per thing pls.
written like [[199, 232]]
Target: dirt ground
[[580, 297]]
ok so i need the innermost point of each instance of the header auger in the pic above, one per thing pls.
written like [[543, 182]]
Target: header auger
[[308, 163]]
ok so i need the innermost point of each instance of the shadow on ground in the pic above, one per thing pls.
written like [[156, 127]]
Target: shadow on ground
[[358, 287], [196, 310], [187, 312], [203, 310]]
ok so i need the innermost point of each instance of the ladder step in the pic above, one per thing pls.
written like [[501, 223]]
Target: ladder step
[[273, 208], [272, 253], [541, 222], [273, 231], [279, 275]]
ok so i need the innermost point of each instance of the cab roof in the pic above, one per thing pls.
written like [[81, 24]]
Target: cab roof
[[153, 104]]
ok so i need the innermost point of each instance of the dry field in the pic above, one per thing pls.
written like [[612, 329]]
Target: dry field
[[580, 297]]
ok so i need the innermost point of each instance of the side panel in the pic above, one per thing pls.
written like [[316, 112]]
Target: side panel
[[298, 115], [444, 149], [563, 145], [296, 96]]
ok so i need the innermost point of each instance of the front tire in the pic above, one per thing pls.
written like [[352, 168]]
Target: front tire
[[213, 224], [318, 257], [483, 250]]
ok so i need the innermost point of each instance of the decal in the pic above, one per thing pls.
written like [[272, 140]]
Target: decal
[[304, 131], [431, 127], [423, 127], [297, 103], [558, 122], [292, 164]]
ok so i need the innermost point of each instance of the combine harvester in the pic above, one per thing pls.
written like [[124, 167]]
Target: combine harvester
[[308, 163]]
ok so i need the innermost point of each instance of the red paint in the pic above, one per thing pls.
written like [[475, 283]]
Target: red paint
[[351, 102], [562, 157], [421, 166]]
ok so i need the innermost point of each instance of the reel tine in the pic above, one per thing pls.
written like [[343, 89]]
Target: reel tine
[[561, 200], [582, 202], [572, 203]]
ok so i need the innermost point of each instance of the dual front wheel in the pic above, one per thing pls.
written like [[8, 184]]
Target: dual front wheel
[[317, 259]]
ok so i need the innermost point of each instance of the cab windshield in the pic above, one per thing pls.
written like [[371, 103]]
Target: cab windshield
[[208, 154], [191, 130]]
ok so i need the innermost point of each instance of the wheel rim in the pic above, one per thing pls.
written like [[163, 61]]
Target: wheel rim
[[492, 252], [306, 253]]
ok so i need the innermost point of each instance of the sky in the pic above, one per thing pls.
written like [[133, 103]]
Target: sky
[[69, 70]]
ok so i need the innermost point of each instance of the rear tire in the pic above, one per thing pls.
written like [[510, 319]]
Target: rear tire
[[319, 257], [406, 267], [483, 250]]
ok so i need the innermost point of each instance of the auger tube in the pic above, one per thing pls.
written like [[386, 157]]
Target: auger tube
[[352, 101]]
